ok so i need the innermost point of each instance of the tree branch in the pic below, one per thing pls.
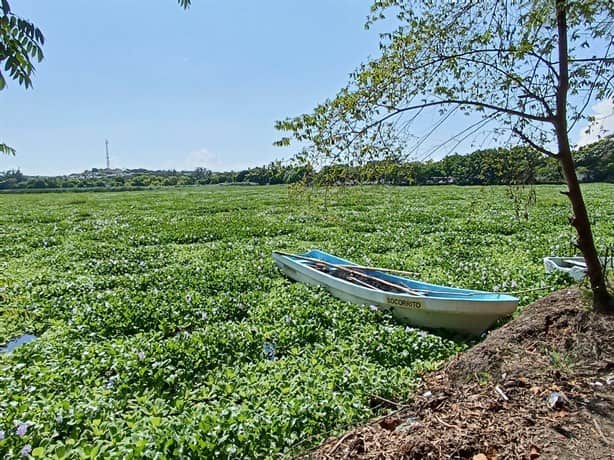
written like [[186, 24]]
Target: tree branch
[[528, 92], [606, 60], [6, 8], [548, 64], [495, 108], [539, 148], [590, 93]]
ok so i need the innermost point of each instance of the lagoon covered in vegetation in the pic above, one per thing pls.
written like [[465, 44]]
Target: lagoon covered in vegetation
[[165, 330]]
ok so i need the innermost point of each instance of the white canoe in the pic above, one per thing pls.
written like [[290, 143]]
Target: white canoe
[[430, 305], [573, 266]]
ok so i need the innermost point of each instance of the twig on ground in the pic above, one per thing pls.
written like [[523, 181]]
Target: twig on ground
[[446, 424], [387, 401], [343, 438], [501, 393], [598, 428]]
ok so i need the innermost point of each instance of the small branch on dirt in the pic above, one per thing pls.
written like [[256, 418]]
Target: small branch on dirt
[[387, 401], [598, 428], [501, 393], [446, 424], [562, 431], [343, 438]]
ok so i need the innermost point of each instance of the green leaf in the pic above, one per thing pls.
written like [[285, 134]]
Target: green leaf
[[156, 421]]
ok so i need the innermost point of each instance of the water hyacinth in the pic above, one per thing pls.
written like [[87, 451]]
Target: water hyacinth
[[26, 451], [222, 390], [22, 429]]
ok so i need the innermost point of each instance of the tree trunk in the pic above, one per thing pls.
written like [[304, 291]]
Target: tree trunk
[[602, 299]]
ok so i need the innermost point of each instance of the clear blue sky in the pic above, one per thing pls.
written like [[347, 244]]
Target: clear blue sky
[[177, 89]]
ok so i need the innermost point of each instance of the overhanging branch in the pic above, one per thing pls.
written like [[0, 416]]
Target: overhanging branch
[[603, 60], [516, 79], [446, 57], [459, 102], [537, 147]]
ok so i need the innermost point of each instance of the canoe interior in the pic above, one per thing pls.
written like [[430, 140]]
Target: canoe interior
[[430, 290]]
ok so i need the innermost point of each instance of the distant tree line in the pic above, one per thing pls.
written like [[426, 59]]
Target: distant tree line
[[500, 166]]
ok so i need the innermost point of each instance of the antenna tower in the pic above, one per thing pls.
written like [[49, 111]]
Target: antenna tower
[[106, 143]]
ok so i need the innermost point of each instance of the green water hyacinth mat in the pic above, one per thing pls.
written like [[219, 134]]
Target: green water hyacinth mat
[[164, 330]]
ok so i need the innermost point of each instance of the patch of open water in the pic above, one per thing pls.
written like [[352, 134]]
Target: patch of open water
[[26, 338]]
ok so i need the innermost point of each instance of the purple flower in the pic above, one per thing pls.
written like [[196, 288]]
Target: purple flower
[[141, 355], [2, 435], [22, 429], [26, 451]]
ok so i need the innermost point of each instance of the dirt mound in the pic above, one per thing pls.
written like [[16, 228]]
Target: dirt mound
[[542, 386]]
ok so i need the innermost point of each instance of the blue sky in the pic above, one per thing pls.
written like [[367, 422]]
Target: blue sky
[[177, 89]]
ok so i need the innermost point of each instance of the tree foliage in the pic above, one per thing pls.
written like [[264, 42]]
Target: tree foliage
[[496, 58], [513, 167], [596, 161], [21, 44], [530, 68]]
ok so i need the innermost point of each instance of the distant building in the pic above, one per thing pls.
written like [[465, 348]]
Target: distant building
[[441, 180]]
